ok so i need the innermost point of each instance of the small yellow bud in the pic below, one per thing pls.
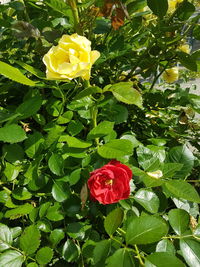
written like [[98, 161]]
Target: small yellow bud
[[171, 75]]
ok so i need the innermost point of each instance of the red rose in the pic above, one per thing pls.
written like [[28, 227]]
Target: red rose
[[110, 183]]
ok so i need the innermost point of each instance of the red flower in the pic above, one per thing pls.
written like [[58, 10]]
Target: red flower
[[110, 183]]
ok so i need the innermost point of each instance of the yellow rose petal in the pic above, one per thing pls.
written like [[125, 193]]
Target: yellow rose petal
[[94, 55]]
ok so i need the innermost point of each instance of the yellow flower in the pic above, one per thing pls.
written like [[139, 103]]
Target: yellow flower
[[184, 48], [71, 58], [171, 75], [173, 4]]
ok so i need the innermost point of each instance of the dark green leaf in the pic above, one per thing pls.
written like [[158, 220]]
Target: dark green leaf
[[34, 144], [29, 107], [145, 230], [70, 251], [163, 259], [60, 191], [182, 189], [113, 220], [13, 153], [179, 220], [147, 199], [187, 61], [159, 8], [56, 236], [122, 257], [56, 164], [182, 155], [21, 193], [101, 251]]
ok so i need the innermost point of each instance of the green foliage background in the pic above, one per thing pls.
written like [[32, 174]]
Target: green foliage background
[[54, 133]]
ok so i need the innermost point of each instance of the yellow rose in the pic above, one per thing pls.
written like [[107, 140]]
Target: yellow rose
[[171, 75], [184, 48], [173, 4], [71, 58]]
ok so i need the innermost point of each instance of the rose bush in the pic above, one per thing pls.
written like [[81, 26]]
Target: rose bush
[[71, 58], [110, 183], [68, 147]]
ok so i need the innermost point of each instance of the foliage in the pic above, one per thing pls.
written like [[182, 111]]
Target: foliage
[[54, 133]]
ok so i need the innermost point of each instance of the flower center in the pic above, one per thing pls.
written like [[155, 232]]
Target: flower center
[[109, 182]]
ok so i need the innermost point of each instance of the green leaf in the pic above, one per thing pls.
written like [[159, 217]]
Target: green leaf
[[34, 144], [11, 258], [54, 213], [21, 193], [185, 10], [75, 177], [116, 149], [75, 127], [166, 245], [29, 107], [169, 169], [30, 239], [113, 220], [163, 259], [44, 255], [13, 153], [145, 230], [147, 199], [191, 251], [182, 155], [182, 189], [74, 142], [179, 220], [19, 211], [70, 251], [5, 237], [56, 164], [187, 61], [56, 236], [102, 129], [11, 171], [101, 251], [31, 69], [60, 191], [146, 179], [159, 8], [122, 258], [65, 118], [125, 93], [12, 133], [14, 74], [88, 91]]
